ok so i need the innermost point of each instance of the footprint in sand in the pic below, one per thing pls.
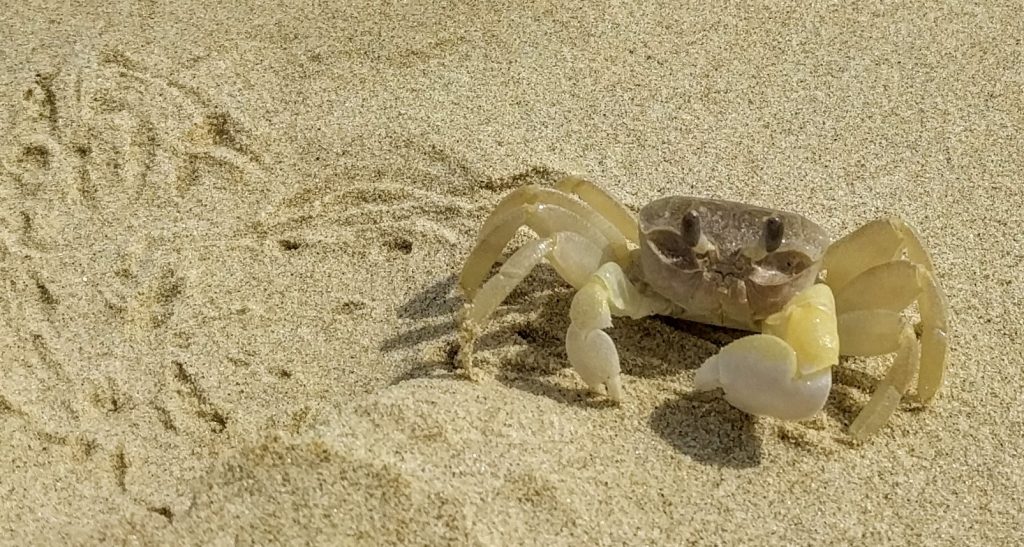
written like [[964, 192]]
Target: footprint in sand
[[108, 169], [104, 138]]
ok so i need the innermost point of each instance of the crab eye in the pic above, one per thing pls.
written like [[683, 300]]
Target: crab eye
[[691, 228], [774, 230]]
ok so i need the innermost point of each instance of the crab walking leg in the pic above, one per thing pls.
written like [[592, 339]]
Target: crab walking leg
[[881, 240], [934, 324], [785, 372], [604, 204], [573, 256], [591, 351], [544, 219], [870, 305], [869, 289], [934, 337], [869, 332], [890, 390], [888, 286], [870, 323], [872, 244], [533, 194]]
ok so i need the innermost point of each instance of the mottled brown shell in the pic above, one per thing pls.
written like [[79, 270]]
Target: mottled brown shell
[[729, 278]]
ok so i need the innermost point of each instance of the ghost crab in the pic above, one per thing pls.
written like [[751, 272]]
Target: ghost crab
[[730, 264]]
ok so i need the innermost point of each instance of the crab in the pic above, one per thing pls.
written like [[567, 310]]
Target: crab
[[774, 273]]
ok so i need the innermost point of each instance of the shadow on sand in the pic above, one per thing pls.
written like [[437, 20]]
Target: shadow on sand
[[704, 427]]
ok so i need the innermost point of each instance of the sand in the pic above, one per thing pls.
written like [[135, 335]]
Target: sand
[[229, 237]]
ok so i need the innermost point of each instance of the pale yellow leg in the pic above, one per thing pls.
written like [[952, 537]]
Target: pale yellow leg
[[533, 194], [887, 286], [595, 215], [872, 244], [934, 337], [573, 256], [890, 390], [604, 204], [872, 287], [869, 332], [544, 219]]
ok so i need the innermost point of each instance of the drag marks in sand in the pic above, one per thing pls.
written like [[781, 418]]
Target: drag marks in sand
[[111, 173], [134, 213]]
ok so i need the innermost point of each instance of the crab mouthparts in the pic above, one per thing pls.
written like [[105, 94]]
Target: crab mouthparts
[[734, 264]]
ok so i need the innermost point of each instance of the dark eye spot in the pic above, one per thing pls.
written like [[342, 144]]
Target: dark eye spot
[[691, 228], [774, 231]]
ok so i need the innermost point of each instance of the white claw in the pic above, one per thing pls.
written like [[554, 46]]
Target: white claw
[[759, 376], [591, 351], [593, 355]]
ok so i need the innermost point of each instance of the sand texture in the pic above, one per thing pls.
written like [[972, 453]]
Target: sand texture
[[230, 234]]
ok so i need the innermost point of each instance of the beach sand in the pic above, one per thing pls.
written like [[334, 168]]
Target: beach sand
[[230, 237]]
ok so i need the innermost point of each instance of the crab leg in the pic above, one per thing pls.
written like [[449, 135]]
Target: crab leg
[[871, 285], [934, 337], [544, 219], [604, 204], [890, 390], [785, 372], [870, 306], [591, 351], [533, 194], [872, 244], [887, 286], [573, 256]]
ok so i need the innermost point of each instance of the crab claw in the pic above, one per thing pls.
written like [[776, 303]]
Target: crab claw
[[759, 375], [786, 372], [591, 351], [593, 355]]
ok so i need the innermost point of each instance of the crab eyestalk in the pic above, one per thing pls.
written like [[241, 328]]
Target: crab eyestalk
[[693, 235], [691, 228], [774, 230]]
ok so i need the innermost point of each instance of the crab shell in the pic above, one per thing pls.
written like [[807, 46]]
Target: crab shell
[[729, 278]]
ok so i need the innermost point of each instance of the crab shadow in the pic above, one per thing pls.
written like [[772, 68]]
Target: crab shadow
[[650, 347], [434, 300], [705, 428], [545, 387], [530, 327], [430, 316], [431, 310]]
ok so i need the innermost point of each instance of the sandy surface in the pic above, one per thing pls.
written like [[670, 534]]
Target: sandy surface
[[228, 240]]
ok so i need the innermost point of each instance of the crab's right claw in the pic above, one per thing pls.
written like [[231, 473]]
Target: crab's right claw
[[759, 375], [786, 372]]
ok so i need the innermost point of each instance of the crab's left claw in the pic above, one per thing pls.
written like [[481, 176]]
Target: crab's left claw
[[591, 351], [786, 372]]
